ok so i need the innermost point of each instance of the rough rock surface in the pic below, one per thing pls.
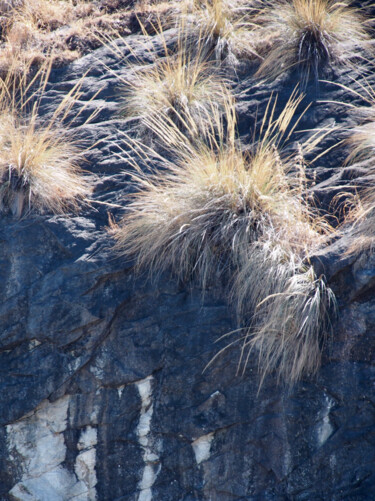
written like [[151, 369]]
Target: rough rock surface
[[102, 384]]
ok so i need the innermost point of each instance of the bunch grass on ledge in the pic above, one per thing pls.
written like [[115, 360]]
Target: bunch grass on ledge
[[215, 212], [360, 207], [223, 27], [183, 86], [39, 161], [292, 311], [311, 35]]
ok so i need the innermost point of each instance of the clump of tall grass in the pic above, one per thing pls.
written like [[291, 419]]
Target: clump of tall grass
[[214, 212], [224, 27], [362, 137], [311, 35], [39, 158], [210, 185], [360, 213], [292, 309], [179, 85], [182, 84]]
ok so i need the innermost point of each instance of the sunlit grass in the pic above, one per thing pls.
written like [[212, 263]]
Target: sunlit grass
[[223, 27], [39, 159], [182, 84], [213, 211], [311, 34]]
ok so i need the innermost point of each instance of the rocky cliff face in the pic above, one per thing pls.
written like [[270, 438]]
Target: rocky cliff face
[[103, 393]]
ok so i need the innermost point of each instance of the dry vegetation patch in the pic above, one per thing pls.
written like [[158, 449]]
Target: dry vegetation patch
[[211, 211], [311, 34], [33, 31], [216, 212], [361, 213], [182, 85], [223, 27], [39, 159]]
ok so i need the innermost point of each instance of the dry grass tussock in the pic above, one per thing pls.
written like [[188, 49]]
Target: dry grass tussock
[[223, 27], [311, 34], [360, 213], [362, 137], [36, 30], [39, 160], [181, 85], [216, 212], [292, 310]]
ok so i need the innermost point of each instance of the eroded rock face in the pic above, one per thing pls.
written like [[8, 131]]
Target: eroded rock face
[[103, 390]]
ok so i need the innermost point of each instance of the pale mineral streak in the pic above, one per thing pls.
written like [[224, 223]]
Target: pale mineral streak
[[324, 428], [202, 447], [36, 446], [150, 448]]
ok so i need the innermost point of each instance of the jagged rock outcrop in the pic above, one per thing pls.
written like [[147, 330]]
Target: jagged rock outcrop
[[102, 382]]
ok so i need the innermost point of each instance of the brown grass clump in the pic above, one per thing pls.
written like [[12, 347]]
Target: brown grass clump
[[210, 185], [292, 309], [215, 211], [39, 161], [360, 207], [182, 85], [362, 138], [224, 27], [311, 34]]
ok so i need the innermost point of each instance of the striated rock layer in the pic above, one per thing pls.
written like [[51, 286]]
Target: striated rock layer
[[102, 384]]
